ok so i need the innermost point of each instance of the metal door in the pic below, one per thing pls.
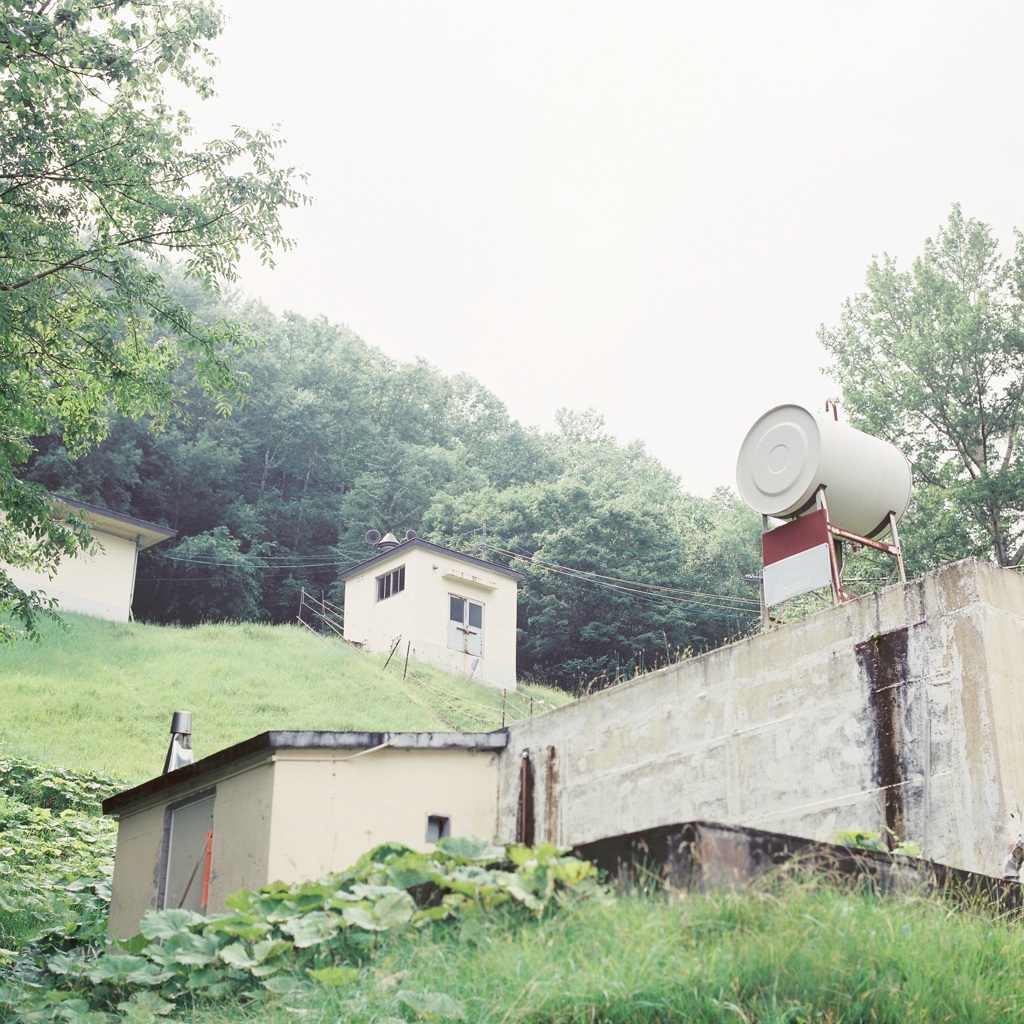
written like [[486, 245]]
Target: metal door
[[465, 626]]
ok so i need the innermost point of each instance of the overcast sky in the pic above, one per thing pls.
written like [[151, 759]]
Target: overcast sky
[[645, 207]]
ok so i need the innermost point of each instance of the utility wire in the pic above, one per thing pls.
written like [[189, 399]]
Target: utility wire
[[653, 593]]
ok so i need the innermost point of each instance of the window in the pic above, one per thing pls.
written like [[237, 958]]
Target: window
[[391, 583], [438, 827]]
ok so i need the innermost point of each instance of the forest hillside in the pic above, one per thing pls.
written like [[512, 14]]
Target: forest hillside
[[624, 570]]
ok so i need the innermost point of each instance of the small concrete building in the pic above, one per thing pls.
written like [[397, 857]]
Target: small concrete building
[[292, 806], [446, 608], [101, 584]]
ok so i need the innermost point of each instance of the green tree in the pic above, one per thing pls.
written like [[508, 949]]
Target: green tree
[[623, 570], [206, 578], [98, 184], [933, 360]]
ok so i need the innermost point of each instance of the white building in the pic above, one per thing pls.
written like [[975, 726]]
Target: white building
[[101, 583], [443, 607]]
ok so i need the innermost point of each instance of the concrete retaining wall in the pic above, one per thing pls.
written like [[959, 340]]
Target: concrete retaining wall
[[902, 709]]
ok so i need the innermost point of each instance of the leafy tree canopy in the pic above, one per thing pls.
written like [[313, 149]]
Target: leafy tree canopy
[[99, 182], [933, 360]]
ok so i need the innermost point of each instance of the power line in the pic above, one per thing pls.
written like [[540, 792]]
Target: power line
[[254, 562], [651, 592]]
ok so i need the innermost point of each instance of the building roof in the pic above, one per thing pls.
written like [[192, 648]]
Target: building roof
[[258, 748], [118, 525], [418, 542]]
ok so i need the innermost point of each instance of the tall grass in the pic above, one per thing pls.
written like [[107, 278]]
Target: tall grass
[[99, 695], [798, 953], [808, 953]]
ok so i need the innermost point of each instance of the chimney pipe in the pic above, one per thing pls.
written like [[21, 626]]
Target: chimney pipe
[[179, 752]]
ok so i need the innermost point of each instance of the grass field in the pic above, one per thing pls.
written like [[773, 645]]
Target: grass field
[[99, 695], [793, 953]]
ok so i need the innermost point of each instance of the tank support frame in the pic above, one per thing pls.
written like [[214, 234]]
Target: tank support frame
[[836, 536]]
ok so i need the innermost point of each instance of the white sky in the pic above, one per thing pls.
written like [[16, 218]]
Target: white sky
[[644, 207]]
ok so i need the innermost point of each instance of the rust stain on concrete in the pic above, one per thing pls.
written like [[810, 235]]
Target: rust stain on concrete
[[525, 812], [883, 660], [551, 798]]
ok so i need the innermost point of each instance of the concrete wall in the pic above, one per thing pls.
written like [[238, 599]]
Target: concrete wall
[[420, 612], [331, 807], [904, 708], [100, 585]]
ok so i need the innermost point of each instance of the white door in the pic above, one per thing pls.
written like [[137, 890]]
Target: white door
[[465, 626]]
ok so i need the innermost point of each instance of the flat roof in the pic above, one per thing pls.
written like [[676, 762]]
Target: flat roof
[[259, 747], [418, 542]]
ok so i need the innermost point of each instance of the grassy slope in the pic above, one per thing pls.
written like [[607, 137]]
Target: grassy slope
[[780, 952], [100, 695]]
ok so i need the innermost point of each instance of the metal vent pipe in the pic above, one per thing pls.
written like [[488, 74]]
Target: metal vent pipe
[[179, 752]]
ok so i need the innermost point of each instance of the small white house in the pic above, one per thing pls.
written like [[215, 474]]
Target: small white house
[[443, 607], [101, 584]]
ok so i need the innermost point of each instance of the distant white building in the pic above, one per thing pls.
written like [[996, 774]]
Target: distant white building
[[446, 608], [101, 584]]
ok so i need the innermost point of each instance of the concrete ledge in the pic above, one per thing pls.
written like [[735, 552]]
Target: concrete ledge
[[706, 856]]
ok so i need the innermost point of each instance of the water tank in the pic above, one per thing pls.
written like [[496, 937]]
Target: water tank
[[789, 453]]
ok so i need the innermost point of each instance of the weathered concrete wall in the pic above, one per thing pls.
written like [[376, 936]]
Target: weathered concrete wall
[[902, 709]]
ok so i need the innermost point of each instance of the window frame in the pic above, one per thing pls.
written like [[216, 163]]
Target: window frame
[[171, 856], [390, 583]]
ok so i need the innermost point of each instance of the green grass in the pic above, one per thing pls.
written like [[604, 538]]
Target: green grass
[[99, 695], [797, 953], [804, 953]]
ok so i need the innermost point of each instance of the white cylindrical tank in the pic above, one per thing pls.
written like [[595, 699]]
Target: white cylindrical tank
[[789, 453]]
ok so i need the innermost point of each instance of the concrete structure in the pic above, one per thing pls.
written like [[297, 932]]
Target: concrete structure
[[903, 709], [444, 607], [293, 806], [101, 584]]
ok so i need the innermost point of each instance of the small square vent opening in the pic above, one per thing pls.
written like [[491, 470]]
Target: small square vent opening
[[438, 826]]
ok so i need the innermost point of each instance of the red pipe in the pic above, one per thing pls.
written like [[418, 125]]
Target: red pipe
[[206, 870]]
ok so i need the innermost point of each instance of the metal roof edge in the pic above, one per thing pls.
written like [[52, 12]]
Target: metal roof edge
[[419, 542], [152, 532], [265, 744]]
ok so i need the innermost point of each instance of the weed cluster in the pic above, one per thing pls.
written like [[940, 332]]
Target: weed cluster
[[288, 941], [56, 852]]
